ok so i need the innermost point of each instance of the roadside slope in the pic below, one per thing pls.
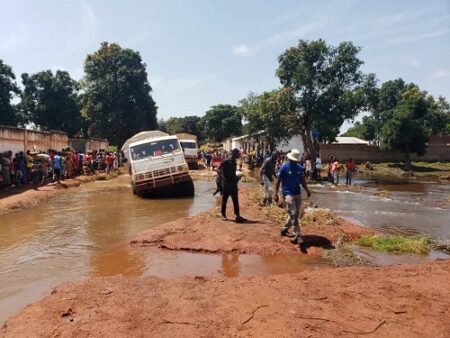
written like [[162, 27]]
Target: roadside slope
[[397, 301]]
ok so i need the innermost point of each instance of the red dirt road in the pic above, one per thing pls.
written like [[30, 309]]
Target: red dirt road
[[407, 301]]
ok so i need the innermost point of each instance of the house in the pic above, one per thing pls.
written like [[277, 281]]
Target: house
[[259, 146]]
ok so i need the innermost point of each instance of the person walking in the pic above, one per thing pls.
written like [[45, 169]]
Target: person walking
[[57, 166], [335, 168], [290, 177], [350, 167], [227, 171], [267, 174]]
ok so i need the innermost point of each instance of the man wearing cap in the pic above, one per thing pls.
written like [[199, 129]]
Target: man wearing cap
[[227, 171], [290, 177], [267, 174]]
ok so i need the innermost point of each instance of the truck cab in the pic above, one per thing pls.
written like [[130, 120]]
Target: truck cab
[[157, 163], [190, 151]]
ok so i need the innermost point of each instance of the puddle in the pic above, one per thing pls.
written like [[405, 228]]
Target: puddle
[[385, 259], [145, 261]]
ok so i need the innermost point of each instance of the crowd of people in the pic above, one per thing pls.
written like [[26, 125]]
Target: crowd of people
[[41, 167]]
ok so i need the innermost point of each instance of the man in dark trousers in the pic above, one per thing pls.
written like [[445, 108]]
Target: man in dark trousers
[[227, 171]]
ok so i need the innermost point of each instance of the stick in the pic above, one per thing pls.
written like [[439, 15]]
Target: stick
[[253, 313], [165, 321], [367, 332]]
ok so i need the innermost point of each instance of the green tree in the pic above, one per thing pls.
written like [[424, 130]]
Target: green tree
[[50, 101], [405, 131], [267, 113], [222, 121], [8, 89], [438, 116], [327, 85], [117, 101], [187, 124], [365, 130]]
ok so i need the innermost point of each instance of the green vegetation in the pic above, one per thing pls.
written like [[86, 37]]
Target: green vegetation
[[419, 169], [188, 124], [419, 245], [116, 101], [326, 87], [222, 121]]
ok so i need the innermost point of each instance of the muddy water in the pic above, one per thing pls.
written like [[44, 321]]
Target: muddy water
[[59, 240], [392, 206], [76, 235]]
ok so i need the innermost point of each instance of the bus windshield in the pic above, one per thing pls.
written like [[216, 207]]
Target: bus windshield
[[156, 148]]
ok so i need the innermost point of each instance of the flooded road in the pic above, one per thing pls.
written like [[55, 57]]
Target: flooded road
[[392, 206], [75, 235], [60, 240]]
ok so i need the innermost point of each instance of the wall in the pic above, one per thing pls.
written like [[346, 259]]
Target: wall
[[19, 139], [85, 145], [363, 152]]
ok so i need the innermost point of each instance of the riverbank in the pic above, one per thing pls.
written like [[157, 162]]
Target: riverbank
[[18, 198], [326, 302], [419, 170]]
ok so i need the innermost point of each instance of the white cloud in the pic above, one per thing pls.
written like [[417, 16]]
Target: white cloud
[[17, 39], [413, 62], [409, 38], [440, 73], [242, 50], [281, 37]]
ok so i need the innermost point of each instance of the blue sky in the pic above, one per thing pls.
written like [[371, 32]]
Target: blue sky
[[202, 53]]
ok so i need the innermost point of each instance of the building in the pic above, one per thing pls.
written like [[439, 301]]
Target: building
[[259, 145]]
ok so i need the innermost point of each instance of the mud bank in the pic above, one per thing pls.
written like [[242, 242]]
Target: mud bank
[[20, 199], [207, 232], [406, 301]]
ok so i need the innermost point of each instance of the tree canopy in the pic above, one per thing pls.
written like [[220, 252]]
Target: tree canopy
[[50, 101], [187, 124], [8, 89], [117, 101], [222, 121], [266, 113], [328, 87], [405, 130]]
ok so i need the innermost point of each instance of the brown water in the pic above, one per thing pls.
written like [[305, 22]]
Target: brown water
[[74, 236], [61, 239], [77, 235]]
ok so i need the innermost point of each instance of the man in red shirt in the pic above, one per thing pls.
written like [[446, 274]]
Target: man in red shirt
[[350, 168], [109, 162]]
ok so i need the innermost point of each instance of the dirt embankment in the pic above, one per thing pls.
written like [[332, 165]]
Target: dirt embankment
[[207, 232], [396, 301], [20, 198], [406, 301]]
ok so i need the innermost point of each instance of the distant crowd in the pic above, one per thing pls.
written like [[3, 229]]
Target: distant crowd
[[52, 166]]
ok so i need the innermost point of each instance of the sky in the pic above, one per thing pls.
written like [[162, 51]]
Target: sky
[[202, 53]]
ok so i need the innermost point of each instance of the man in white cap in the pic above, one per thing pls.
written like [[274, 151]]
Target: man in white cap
[[290, 177]]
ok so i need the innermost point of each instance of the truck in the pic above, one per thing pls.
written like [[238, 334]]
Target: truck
[[157, 164], [189, 145]]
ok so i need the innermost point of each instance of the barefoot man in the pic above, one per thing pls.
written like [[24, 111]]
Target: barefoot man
[[290, 177]]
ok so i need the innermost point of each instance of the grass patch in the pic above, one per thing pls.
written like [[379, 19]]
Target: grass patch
[[419, 245], [397, 169]]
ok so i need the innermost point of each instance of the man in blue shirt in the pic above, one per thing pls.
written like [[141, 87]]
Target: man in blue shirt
[[57, 166], [290, 177]]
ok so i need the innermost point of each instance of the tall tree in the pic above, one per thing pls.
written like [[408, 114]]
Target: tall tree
[[50, 101], [221, 122], [267, 113], [327, 85], [186, 124], [117, 100], [8, 89], [365, 130], [405, 131]]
